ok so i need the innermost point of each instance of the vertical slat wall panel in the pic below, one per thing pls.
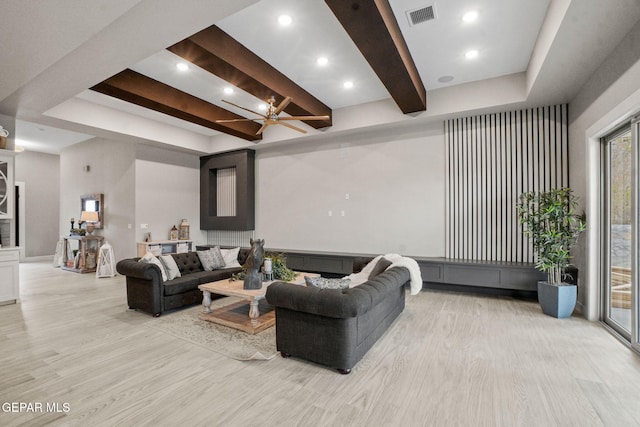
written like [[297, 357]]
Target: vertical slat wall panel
[[230, 238], [226, 192], [491, 160]]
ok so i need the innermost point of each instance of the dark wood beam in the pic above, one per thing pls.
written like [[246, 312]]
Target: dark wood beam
[[372, 26], [141, 90], [215, 51]]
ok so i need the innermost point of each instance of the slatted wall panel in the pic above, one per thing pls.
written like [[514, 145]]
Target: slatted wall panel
[[226, 192], [229, 238], [491, 160]]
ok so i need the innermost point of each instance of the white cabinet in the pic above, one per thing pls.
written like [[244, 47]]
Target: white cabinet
[[9, 280], [7, 190], [164, 247]]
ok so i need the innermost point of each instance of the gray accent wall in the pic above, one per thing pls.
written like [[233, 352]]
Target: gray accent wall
[[167, 190], [40, 174], [100, 166]]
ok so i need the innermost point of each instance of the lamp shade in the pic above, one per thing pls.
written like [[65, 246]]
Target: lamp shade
[[88, 216]]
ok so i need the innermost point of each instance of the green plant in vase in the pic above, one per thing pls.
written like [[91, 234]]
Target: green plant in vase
[[552, 223], [278, 266]]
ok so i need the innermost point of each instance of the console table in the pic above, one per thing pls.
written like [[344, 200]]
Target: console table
[[87, 253]]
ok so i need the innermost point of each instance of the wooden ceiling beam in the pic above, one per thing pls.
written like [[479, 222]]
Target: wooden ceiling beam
[[141, 90], [215, 51], [374, 29]]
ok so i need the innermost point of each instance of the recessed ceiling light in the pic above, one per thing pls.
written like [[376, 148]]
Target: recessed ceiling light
[[471, 54], [348, 84], [445, 79], [322, 61], [181, 66], [228, 90], [284, 20], [262, 107], [470, 16]]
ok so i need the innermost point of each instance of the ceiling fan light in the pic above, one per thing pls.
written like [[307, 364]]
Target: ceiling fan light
[[471, 54], [470, 16], [285, 20]]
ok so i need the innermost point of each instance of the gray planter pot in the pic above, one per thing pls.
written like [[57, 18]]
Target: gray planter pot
[[557, 301]]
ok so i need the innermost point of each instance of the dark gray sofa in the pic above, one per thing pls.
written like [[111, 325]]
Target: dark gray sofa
[[147, 291], [336, 327]]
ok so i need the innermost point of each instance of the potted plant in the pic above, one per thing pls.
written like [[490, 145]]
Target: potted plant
[[551, 222]]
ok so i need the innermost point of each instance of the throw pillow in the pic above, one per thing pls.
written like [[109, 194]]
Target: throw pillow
[[230, 257], [380, 266], [150, 258], [218, 259], [209, 259], [170, 267], [324, 283]]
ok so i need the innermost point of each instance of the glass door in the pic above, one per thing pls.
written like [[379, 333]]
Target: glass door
[[619, 213]]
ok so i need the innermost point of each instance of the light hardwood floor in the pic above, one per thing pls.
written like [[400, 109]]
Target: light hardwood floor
[[449, 359]]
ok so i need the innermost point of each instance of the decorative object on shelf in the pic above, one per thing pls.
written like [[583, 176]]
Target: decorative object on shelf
[[147, 237], [184, 229], [267, 266], [73, 225], [3, 138], [90, 218], [252, 278], [90, 262], [173, 233], [78, 232], [551, 221]]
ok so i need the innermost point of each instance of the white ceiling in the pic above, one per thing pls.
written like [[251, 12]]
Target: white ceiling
[[52, 54]]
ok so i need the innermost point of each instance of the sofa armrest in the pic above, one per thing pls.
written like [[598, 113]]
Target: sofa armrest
[[140, 270], [339, 304]]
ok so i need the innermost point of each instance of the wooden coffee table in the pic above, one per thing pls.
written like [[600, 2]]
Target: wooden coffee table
[[245, 315]]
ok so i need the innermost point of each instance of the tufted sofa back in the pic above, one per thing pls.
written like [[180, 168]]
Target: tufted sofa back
[[188, 262]]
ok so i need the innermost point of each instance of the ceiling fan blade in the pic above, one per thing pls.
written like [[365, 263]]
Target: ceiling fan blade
[[291, 126], [264, 126], [304, 118], [245, 109], [235, 120], [283, 105]]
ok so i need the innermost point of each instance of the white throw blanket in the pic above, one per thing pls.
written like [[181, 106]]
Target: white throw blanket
[[396, 261]]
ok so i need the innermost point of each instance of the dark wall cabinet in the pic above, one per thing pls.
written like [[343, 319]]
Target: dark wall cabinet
[[243, 164]]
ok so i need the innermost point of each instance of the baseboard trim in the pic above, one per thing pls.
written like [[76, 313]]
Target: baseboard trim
[[37, 258]]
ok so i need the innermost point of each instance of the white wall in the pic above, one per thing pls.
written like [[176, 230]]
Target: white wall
[[612, 94], [41, 175], [111, 172], [396, 190], [167, 189]]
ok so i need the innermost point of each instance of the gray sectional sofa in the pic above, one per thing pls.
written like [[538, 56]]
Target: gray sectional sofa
[[336, 327], [147, 291]]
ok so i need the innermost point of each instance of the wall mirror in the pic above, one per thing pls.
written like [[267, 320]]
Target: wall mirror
[[94, 203]]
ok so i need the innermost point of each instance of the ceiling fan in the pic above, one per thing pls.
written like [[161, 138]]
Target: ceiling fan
[[270, 117]]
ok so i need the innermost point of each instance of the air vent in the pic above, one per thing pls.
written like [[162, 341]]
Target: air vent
[[423, 14]]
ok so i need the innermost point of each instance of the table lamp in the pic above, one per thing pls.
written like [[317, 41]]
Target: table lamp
[[90, 218]]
